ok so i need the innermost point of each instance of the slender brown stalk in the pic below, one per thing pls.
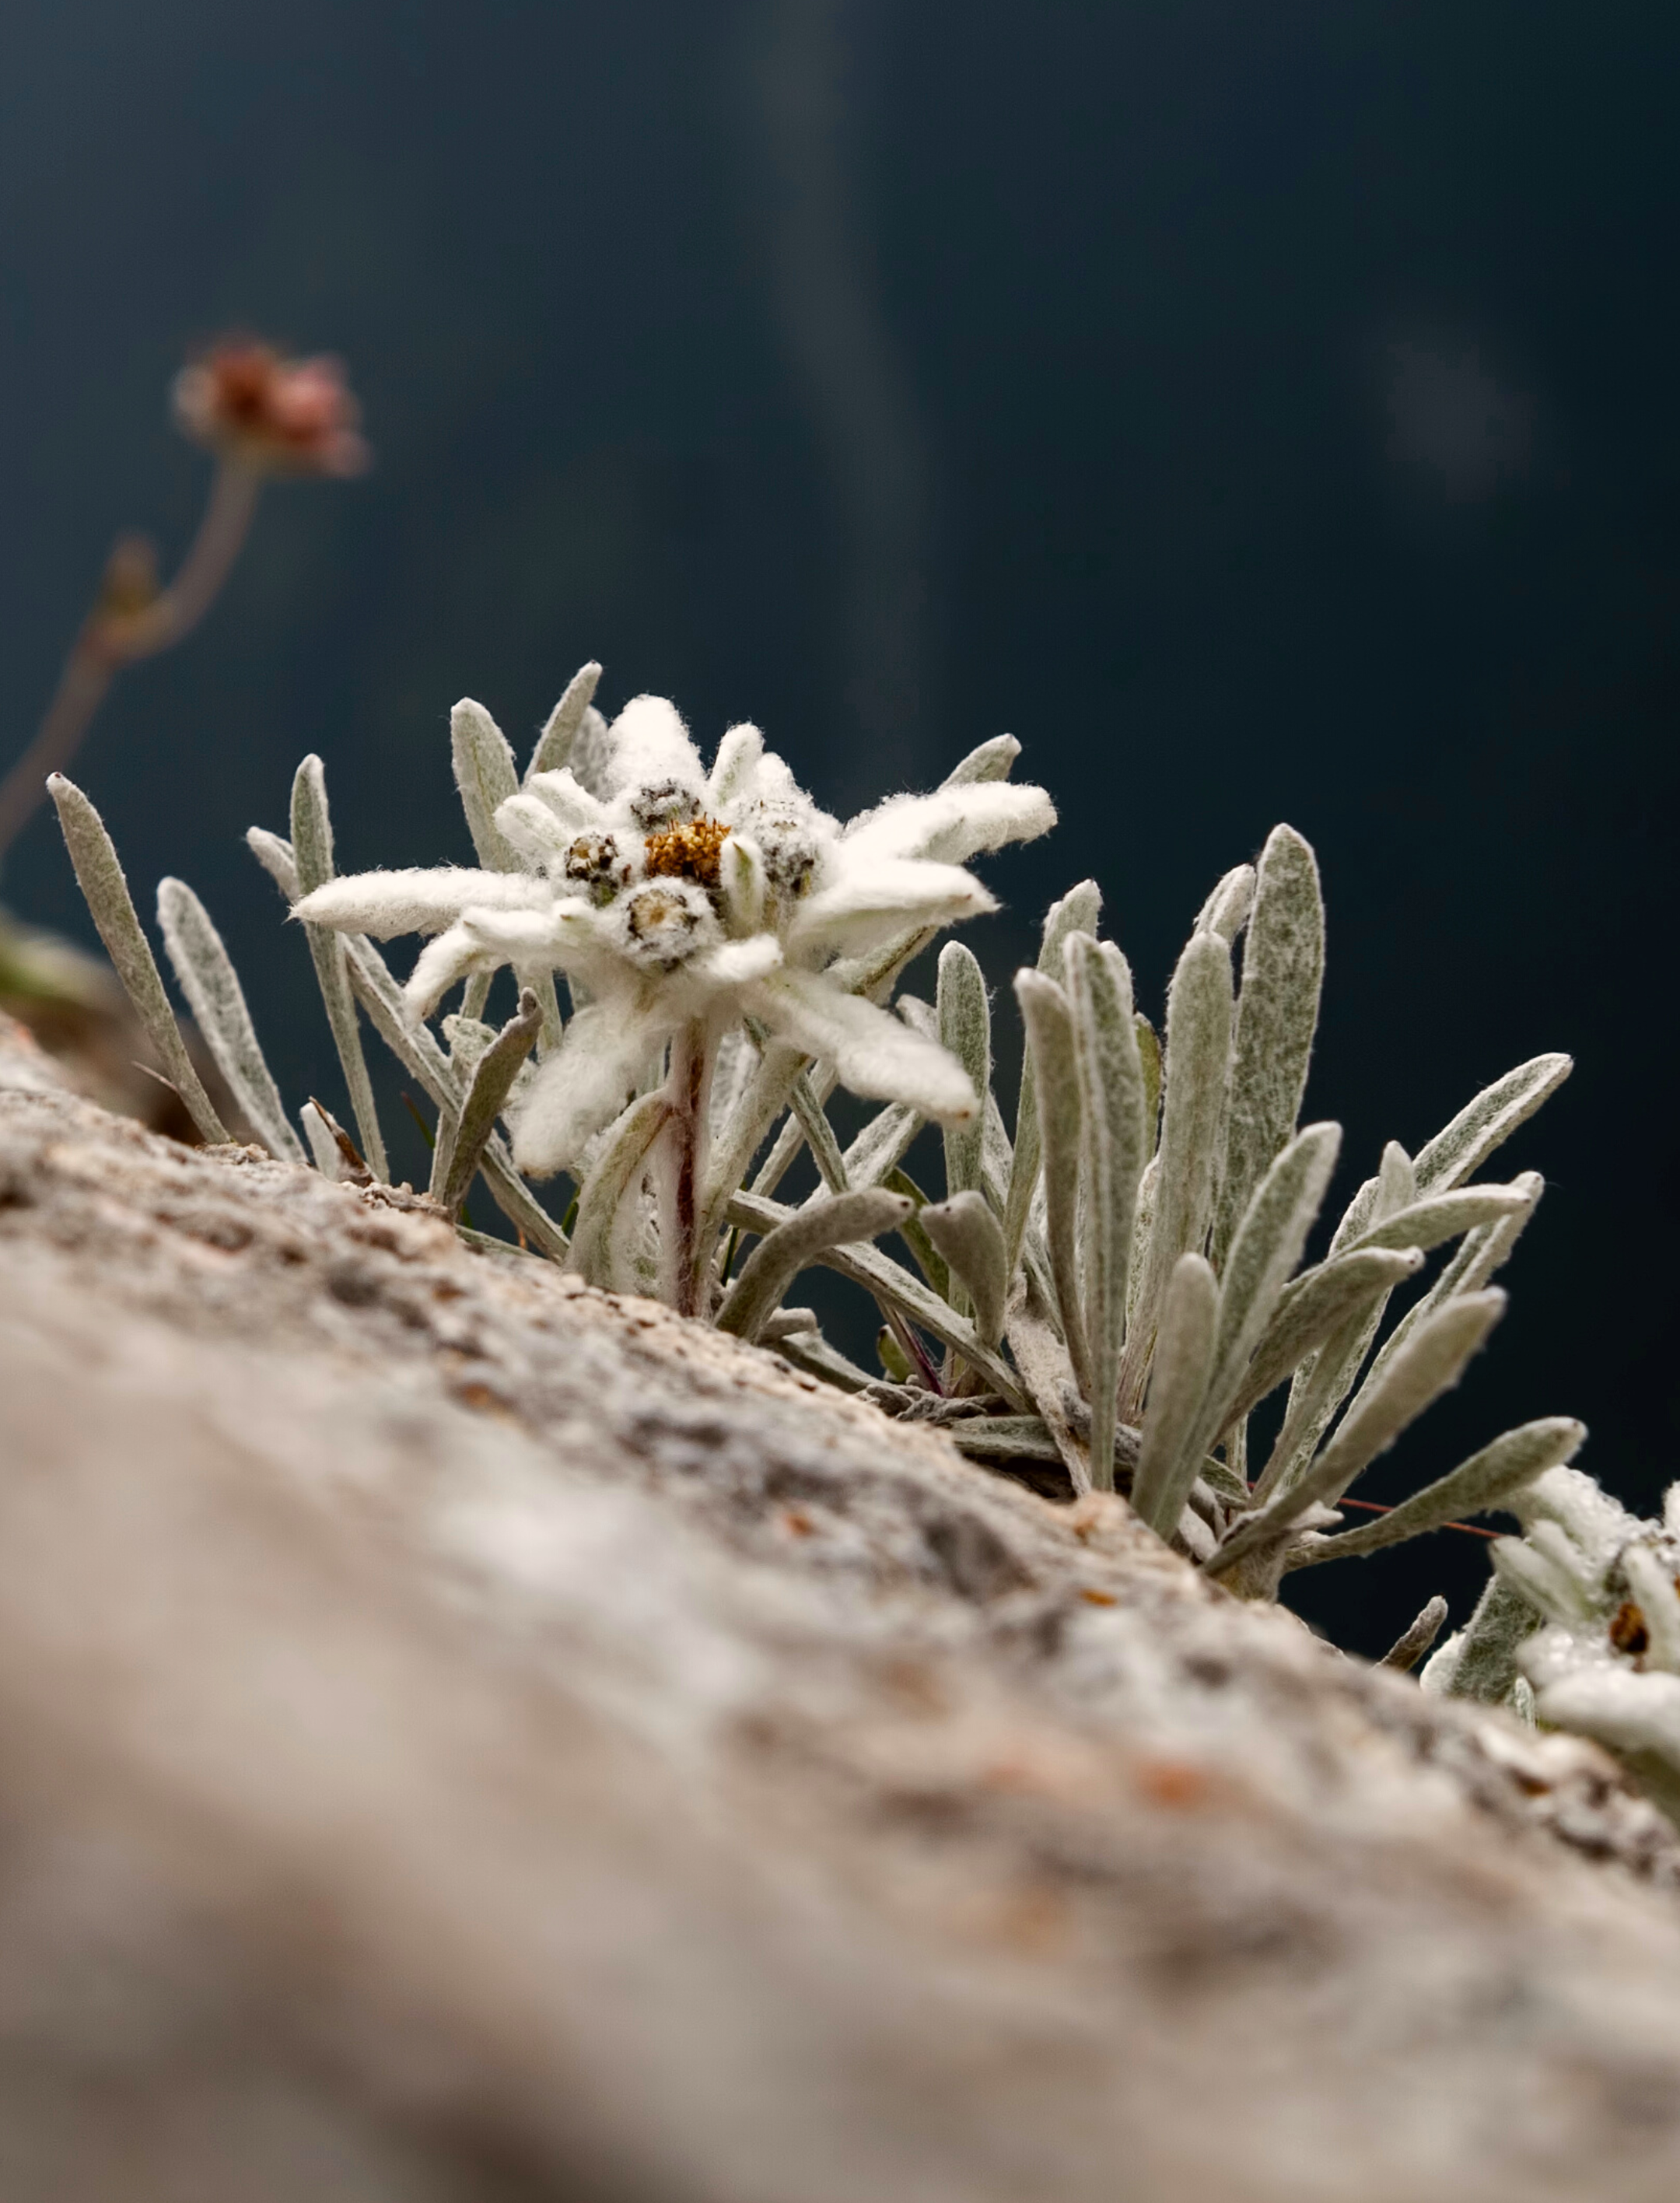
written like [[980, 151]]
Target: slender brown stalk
[[116, 634], [689, 1080]]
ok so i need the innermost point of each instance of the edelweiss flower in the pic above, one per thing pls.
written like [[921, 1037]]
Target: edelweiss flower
[[677, 896]]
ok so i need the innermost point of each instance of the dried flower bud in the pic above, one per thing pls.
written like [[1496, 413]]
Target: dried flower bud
[[277, 415]]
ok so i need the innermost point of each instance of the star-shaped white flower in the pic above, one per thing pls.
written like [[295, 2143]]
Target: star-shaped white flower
[[674, 895]]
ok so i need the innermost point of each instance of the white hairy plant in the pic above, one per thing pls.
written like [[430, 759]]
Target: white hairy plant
[[1580, 1627], [1111, 1292]]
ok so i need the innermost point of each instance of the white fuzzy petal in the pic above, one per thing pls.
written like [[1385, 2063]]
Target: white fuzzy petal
[[953, 823], [874, 1054], [572, 804], [583, 1084], [439, 964], [865, 901], [738, 963], [386, 903], [649, 742], [533, 829], [734, 767]]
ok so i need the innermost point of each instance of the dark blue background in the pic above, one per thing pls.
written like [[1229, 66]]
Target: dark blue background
[[1265, 411]]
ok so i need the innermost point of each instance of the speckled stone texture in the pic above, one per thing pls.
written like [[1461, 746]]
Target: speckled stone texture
[[463, 1736]]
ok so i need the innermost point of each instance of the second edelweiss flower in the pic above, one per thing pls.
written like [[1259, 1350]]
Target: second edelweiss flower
[[672, 895]]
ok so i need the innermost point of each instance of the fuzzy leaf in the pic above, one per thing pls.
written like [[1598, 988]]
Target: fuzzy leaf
[[492, 1081], [1197, 1069], [312, 847], [273, 852], [1486, 1480], [1077, 912], [1407, 1650], [1277, 1017], [486, 777], [554, 744], [1426, 1223], [105, 891], [990, 761], [965, 1030], [1480, 1127], [1431, 1363], [932, 1264], [1110, 1100], [619, 1164], [1313, 1309], [1183, 1363], [217, 1001], [1481, 1664], [882, 1145], [1048, 1023], [1226, 910], [782, 1253], [323, 1148], [887, 1280], [971, 1240]]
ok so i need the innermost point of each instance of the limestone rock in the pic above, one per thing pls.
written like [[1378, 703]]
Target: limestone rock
[[464, 1737]]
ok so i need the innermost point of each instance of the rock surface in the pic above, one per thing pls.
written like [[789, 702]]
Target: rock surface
[[465, 1737]]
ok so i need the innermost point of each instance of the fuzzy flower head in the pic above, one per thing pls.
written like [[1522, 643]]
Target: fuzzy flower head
[[673, 893], [275, 414]]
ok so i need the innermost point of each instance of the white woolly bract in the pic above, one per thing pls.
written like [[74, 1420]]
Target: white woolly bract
[[953, 823], [875, 1054], [419, 901], [583, 1085]]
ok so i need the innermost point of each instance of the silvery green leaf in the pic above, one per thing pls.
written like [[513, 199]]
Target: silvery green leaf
[[467, 1038], [1077, 912], [971, 1240], [793, 1245], [1485, 1481], [1313, 1309], [217, 1001], [1496, 1113], [273, 852], [882, 1145], [1226, 910], [932, 1264], [965, 1030], [1651, 1586], [1048, 1023], [811, 1352], [1482, 1663], [1396, 1181], [1197, 1069], [1430, 1363], [554, 744], [878, 1274], [312, 847], [486, 776], [1141, 1229], [416, 1048], [1262, 1256], [323, 1148], [1407, 1650], [1149, 1055], [491, 1082], [1541, 1567], [592, 754], [1047, 1379], [99, 876], [819, 1134], [991, 761], [1111, 1100], [1277, 1017], [619, 1162], [1183, 1363], [1004, 1438], [1443, 1216]]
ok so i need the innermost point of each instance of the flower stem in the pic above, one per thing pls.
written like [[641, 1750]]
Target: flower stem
[[112, 637], [690, 1079]]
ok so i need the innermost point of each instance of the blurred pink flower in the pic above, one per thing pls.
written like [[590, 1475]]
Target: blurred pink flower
[[274, 415]]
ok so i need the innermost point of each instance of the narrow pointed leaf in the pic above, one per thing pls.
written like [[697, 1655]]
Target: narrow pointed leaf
[[217, 1001], [312, 847], [1077, 912], [1226, 910], [1277, 1017], [1048, 1023], [779, 1256], [486, 777], [492, 1081], [932, 1264], [1197, 1069], [1496, 1113], [971, 1240], [1429, 1223], [1485, 1665], [991, 761], [882, 1145], [1110, 1100], [273, 852], [554, 744], [965, 1029], [619, 1164], [1314, 1308], [99, 875], [1183, 1366], [323, 1148], [1407, 1650], [1487, 1479]]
